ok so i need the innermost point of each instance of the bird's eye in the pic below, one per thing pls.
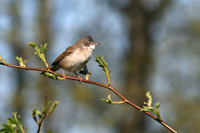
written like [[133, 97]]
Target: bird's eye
[[90, 43]]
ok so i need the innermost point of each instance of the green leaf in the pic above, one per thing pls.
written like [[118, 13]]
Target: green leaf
[[43, 109], [145, 110], [53, 107], [100, 60], [106, 101], [7, 129], [52, 76], [21, 62], [109, 98], [13, 125], [150, 99], [34, 111], [110, 101], [103, 64], [48, 104], [40, 51], [32, 44], [49, 131], [46, 110], [2, 60], [39, 114], [158, 114], [43, 47], [149, 107], [157, 105], [34, 114]]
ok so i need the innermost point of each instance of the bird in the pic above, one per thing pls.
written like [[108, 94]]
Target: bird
[[75, 57]]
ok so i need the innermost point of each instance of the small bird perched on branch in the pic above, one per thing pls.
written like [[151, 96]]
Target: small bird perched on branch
[[75, 57]]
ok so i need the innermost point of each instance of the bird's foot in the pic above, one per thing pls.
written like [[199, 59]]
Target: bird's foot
[[64, 76], [80, 79]]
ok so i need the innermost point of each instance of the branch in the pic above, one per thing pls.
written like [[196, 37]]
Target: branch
[[46, 110], [98, 84], [44, 115]]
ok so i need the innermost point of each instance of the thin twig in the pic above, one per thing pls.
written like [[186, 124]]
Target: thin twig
[[102, 85], [40, 122]]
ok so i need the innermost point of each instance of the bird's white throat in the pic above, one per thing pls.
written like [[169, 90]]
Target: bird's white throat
[[90, 48]]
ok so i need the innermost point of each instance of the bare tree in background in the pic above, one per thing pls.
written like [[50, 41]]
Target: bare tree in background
[[44, 35], [14, 38], [137, 60]]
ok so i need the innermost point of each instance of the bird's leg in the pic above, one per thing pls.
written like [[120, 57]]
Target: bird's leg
[[81, 79], [64, 75]]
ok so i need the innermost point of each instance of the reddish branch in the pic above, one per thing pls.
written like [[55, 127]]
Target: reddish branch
[[102, 85]]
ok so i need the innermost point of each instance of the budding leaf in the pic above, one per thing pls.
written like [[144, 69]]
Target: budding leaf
[[157, 105], [103, 64], [34, 114], [32, 44], [2, 60], [39, 114], [21, 62], [43, 47], [149, 107], [40, 51], [110, 101], [150, 99], [53, 76], [13, 125], [53, 107]]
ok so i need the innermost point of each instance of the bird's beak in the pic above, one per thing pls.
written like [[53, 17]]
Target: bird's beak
[[96, 43]]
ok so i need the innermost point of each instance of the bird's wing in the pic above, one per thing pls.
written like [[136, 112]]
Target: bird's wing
[[68, 51]]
